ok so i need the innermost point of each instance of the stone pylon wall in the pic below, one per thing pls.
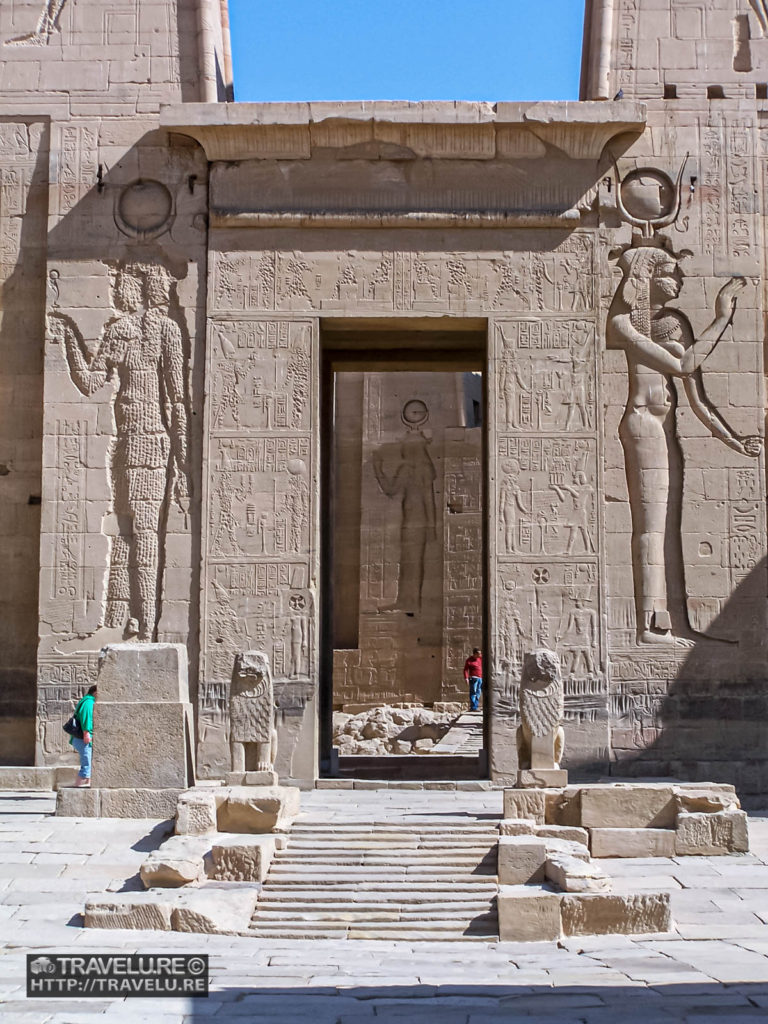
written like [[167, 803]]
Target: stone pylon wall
[[98, 210]]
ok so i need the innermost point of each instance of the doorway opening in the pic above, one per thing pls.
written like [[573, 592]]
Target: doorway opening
[[404, 553]]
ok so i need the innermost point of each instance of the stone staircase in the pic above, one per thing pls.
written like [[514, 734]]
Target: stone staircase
[[422, 876]]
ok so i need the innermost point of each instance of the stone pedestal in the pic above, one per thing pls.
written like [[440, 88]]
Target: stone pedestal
[[142, 747], [542, 778]]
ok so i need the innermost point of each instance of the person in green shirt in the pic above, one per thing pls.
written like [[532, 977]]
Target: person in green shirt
[[84, 746]]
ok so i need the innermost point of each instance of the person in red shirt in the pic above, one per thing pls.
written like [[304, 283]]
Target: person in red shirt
[[473, 674]]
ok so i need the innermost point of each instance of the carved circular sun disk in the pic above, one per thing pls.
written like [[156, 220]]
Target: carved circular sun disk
[[648, 194], [415, 412], [144, 208]]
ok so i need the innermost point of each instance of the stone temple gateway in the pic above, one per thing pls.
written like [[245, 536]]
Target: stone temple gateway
[[184, 278]]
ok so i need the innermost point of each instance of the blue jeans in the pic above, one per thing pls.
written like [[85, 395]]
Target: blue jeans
[[475, 689], [85, 750]]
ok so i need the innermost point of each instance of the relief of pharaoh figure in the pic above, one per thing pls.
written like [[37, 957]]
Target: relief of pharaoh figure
[[142, 348], [660, 346], [413, 483]]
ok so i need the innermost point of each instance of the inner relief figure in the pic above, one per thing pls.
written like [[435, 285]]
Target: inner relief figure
[[413, 483], [142, 348], [660, 346]]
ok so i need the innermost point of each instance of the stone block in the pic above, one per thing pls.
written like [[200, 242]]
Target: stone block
[[251, 779], [627, 805], [28, 778], [707, 797], [563, 807], [521, 860], [178, 861], [528, 914], [570, 833], [78, 803], [611, 914], [517, 827], [525, 803], [242, 858], [632, 842], [64, 775], [143, 746], [566, 848], [196, 813], [542, 778], [257, 809], [214, 911], [138, 803], [143, 673], [133, 910], [569, 874], [710, 835]]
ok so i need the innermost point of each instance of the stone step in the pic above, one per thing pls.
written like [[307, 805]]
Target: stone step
[[351, 913], [404, 932], [415, 897], [436, 871], [366, 881], [382, 857], [465, 908], [429, 843]]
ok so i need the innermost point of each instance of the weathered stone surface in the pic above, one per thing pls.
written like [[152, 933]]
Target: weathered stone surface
[[140, 745], [711, 834], [196, 812], [242, 858], [148, 910], [522, 803], [528, 914], [611, 914], [542, 778], [178, 861], [566, 848], [78, 803], [521, 860], [143, 674], [628, 805], [570, 833], [517, 827], [570, 874], [632, 842], [257, 809], [27, 778], [706, 797], [563, 807], [138, 803], [214, 911]]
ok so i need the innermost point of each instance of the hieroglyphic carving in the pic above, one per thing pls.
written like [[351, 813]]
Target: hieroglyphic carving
[[77, 164], [712, 185], [257, 517], [261, 378], [741, 188], [660, 345], [551, 604], [60, 684], [547, 375], [559, 277], [69, 512], [626, 61], [547, 502], [143, 348]]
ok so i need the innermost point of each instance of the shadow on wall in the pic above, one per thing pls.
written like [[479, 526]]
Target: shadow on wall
[[711, 722]]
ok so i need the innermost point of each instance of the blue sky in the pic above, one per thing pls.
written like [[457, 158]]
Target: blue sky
[[406, 49]]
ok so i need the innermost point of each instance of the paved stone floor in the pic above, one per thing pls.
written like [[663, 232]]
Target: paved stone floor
[[713, 969]]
